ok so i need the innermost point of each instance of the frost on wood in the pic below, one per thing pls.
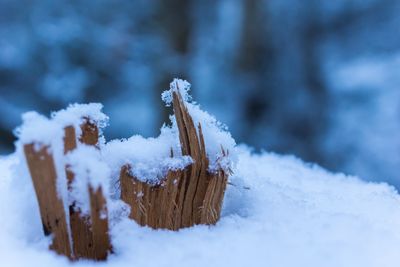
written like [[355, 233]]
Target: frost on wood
[[86, 179], [182, 198], [88, 235], [174, 181]]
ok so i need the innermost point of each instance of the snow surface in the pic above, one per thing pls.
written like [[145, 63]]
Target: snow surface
[[278, 211]]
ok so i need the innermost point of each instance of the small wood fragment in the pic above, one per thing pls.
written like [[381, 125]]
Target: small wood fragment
[[89, 232], [183, 198], [81, 232], [44, 177], [99, 216], [90, 133]]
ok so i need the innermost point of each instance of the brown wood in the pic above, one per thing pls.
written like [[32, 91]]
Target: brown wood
[[81, 233], [44, 177], [184, 198], [99, 216], [89, 232], [151, 205], [90, 133]]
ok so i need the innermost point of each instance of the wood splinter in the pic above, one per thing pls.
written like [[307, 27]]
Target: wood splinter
[[89, 233]]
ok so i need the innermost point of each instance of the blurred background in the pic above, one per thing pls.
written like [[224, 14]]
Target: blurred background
[[317, 79]]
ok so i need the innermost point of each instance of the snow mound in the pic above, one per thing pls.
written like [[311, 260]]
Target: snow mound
[[278, 211]]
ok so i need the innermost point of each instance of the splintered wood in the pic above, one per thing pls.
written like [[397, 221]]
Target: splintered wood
[[184, 198], [89, 233], [44, 176]]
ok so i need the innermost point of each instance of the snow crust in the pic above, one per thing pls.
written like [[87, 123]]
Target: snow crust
[[278, 211]]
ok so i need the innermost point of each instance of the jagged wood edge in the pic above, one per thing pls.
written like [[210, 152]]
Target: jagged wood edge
[[90, 234], [183, 198]]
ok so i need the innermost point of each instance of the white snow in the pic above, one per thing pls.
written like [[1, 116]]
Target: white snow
[[177, 85], [216, 135], [278, 211], [216, 138], [32, 131], [76, 114], [89, 169], [42, 131], [149, 158]]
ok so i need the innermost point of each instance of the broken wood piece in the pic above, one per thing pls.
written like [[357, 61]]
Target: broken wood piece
[[183, 198], [151, 205], [90, 133], [99, 216], [81, 232], [44, 177], [89, 232]]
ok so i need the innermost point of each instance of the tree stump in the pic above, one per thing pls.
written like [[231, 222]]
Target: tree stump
[[183, 198]]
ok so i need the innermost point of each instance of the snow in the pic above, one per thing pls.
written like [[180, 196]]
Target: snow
[[89, 169], [32, 127], [150, 158], [216, 138], [177, 85], [42, 131], [278, 211], [216, 135], [74, 115], [33, 123]]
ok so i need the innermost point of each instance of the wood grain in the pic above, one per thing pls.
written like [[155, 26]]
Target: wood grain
[[183, 198], [89, 232], [81, 232], [44, 177]]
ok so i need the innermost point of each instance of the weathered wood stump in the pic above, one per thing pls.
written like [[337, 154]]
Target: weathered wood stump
[[183, 198], [89, 233]]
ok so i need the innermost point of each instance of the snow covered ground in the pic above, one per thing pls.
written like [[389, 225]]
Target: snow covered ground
[[278, 211]]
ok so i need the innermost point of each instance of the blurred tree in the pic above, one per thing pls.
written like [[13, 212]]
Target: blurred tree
[[275, 71]]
